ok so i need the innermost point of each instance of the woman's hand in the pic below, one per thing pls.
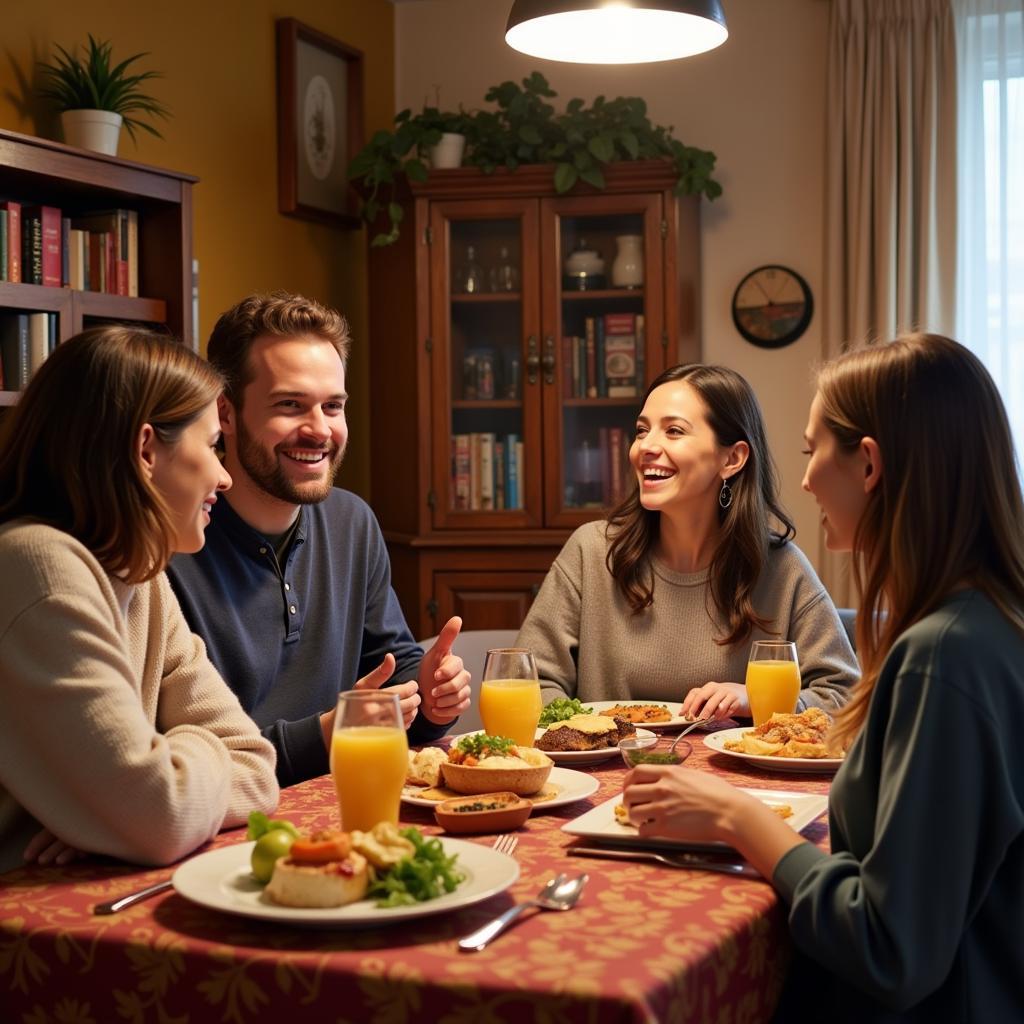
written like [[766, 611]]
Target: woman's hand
[[677, 802], [680, 803], [46, 848], [716, 700]]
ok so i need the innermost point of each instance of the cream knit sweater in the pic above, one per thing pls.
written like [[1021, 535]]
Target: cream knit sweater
[[116, 732], [588, 644]]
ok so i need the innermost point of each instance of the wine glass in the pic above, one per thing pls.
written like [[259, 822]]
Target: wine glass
[[369, 758], [773, 679], [510, 701]]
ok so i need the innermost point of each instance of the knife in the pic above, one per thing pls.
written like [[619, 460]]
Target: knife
[[675, 859]]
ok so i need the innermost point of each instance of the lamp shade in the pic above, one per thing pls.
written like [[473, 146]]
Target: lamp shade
[[615, 31]]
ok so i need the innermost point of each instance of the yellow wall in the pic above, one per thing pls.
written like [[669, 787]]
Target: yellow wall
[[218, 62]]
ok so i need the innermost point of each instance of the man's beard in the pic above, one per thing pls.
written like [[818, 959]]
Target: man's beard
[[265, 471]]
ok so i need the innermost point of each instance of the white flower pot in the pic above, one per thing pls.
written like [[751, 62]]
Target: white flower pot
[[97, 130], [448, 152]]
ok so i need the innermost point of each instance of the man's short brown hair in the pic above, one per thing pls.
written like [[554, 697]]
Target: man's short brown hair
[[279, 315]]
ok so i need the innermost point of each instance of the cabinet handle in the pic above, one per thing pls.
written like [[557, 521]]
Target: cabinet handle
[[549, 359], [532, 359]]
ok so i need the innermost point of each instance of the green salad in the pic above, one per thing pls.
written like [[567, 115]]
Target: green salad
[[562, 708], [480, 745], [427, 874]]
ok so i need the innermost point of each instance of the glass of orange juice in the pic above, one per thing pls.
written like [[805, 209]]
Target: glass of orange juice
[[510, 695], [773, 679], [369, 758]]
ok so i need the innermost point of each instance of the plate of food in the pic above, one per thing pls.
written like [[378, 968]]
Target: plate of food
[[651, 714], [785, 743], [582, 740], [608, 823], [477, 764], [223, 880]]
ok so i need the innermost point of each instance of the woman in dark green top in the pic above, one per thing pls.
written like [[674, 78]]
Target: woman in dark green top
[[918, 913]]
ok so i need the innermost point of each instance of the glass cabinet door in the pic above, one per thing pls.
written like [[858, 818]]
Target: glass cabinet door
[[603, 315], [485, 359]]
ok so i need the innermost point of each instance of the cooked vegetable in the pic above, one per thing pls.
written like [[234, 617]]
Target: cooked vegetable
[[562, 708], [427, 874], [321, 848], [480, 745]]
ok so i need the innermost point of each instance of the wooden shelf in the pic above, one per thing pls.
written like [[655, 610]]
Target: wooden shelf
[[487, 403], [471, 298], [603, 293]]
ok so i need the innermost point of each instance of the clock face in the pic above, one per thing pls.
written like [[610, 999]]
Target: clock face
[[318, 127], [772, 306]]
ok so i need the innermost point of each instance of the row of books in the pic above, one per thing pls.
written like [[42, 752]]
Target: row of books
[[487, 472], [607, 361], [26, 339], [96, 253], [602, 476]]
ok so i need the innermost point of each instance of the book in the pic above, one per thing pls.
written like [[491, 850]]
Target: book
[[65, 253], [487, 471], [460, 491], [620, 354], [641, 353], [591, 349], [78, 276], [567, 391], [511, 472], [13, 239], [133, 252], [3, 245], [602, 374], [499, 475], [14, 349], [31, 248], [38, 340], [115, 276], [474, 471], [520, 470], [49, 232], [615, 475]]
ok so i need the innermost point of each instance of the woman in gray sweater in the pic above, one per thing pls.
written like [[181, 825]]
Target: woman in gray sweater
[[662, 600], [917, 914]]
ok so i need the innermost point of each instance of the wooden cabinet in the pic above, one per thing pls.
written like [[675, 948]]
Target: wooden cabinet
[[504, 389], [40, 172]]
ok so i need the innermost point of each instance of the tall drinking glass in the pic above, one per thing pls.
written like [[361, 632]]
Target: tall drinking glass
[[369, 758], [773, 679], [510, 695]]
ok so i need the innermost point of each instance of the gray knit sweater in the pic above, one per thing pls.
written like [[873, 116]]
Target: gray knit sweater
[[589, 644]]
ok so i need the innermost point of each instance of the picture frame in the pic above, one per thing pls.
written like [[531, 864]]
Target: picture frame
[[319, 124]]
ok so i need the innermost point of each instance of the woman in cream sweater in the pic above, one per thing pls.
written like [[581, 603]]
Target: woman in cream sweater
[[118, 736]]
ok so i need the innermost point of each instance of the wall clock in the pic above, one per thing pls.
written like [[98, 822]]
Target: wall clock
[[772, 306]]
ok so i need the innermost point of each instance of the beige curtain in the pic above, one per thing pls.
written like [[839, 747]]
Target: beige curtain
[[890, 218]]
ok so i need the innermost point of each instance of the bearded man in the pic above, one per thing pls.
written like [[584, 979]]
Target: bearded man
[[292, 592]]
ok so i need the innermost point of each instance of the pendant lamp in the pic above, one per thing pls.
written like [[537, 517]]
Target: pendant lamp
[[615, 31]]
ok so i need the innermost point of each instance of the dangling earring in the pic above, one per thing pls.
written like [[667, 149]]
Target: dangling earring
[[725, 495]]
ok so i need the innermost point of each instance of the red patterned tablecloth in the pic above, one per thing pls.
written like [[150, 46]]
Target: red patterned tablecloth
[[645, 943]]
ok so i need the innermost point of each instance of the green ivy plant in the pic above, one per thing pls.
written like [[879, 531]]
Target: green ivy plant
[[93, 83], [523, 128]]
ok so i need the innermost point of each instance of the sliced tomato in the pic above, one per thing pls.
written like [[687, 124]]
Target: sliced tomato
[[321, 848]]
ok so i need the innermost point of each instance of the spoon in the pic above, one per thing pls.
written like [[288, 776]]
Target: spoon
[[693, 725], [561, 893]]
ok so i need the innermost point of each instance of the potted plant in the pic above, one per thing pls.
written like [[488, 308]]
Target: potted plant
[[96, 98], [524, 128]]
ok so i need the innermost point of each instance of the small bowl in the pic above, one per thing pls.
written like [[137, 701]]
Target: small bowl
[[460, 814], [640, 750]]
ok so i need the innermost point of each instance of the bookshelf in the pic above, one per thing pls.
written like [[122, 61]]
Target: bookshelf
[[515, 449], [39, 172]]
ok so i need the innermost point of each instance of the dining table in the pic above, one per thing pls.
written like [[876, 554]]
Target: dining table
[[645, 942]]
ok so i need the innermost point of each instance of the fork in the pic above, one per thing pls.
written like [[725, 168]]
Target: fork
[[506, 843], [132, 898]]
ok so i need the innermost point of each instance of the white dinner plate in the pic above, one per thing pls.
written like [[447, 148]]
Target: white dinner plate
[[675, 708], [576, 758], [796, 765], [573, 785], [599, 822], [222, 880]]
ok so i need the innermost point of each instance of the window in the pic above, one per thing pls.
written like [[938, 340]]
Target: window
[[990, 185]]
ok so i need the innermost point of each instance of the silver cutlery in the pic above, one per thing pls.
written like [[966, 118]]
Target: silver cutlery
[[693, 725], [561, 893], [124, 902], [692, 861]]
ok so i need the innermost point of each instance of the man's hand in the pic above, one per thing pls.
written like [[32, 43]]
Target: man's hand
[[408, 696], [444, 683]]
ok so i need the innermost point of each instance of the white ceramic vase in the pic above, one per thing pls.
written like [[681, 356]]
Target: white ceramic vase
[[448, 152], [628, 267], [97, 130]]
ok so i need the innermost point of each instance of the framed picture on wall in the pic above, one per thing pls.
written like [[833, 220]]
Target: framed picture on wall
[[319, 123]]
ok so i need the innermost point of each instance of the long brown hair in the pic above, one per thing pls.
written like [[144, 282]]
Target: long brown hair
[[947, 510], [279, 315], [68, 449], [734, 415]]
